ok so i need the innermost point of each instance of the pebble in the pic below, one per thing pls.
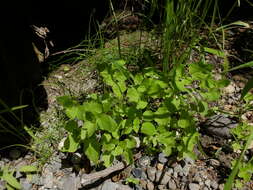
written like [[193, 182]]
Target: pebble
[[189, 160], [137, 172], [143, 183], [221, 186], [48, 180], [160, 166], [150, 186], [151, 172], [208, 183], [25, 184], [172, 184], [186, 170], [107, 185], [71, 183], [162, 158], [158, 176], [144, 162], [178, 169], [166, 178], [194, 186], [162, 187], [214, 185], [214, 162]]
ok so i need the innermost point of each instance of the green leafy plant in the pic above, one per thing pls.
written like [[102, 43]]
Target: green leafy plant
[[6, 174], [146, 105]]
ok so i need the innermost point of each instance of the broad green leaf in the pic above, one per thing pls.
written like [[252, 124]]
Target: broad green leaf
[[10, 179], [136, 125], [128, 155], [162, 116], [138, 78], [93, 107], [29, 168], [72, 127], [130, 143], [75, 112], [71, 144], [66, 101], [108, 159], [117, 151], [133, 95], [108, 147], [116, 90], [92, 149], [90, 127], [148, 115], [105, 122], [219, 53], [148, 129], [141, 104]]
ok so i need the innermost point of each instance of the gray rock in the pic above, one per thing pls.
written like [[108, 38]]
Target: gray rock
[[214, 185], [150, 186], [137, 172], [178, 169], [206, 188], [170, 171], [48, 180], [107, 185], [25, 184], [36, 179], [197, 178], [172, 184], [214, 162], [151, 172], [143, 183], [194, 186], [162, 187], [208, 183], [186, 170], [221, 186], [162, 158], [71, 183], [144, 162], [189, 160], [2, 185], [166, 178], [158, 176]]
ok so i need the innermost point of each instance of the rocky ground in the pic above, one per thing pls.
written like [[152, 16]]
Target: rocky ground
[[71, 171]]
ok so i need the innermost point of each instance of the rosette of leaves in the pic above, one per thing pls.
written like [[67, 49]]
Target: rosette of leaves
[[156, 108]]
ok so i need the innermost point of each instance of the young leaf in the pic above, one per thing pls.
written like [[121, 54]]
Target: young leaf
[[148, 129], [219, 53], [92, 149], [105, 122], [10, 179], [91, 128], [108, 159], [28, 169], [71, 144], [133, 95]]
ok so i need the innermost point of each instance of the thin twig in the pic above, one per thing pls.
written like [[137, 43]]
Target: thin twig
[[71, 50]]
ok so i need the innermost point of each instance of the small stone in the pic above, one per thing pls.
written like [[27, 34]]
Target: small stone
[[172, 185], [25, 184], [188, 160], [162, 158], [214, 162], [178, 169], [137, 172], [158, 176], [170, 171], [151, 173], [150, 186], [144, 162], [162, 187], [221, 186], [71, 183], [14, 154], [229, 89], [143, 183], [208, 183], [214, 185], [194, 186], [160, 166], [205, 188], [166, 178], [186, 170], [48, 180], [107, 185]]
